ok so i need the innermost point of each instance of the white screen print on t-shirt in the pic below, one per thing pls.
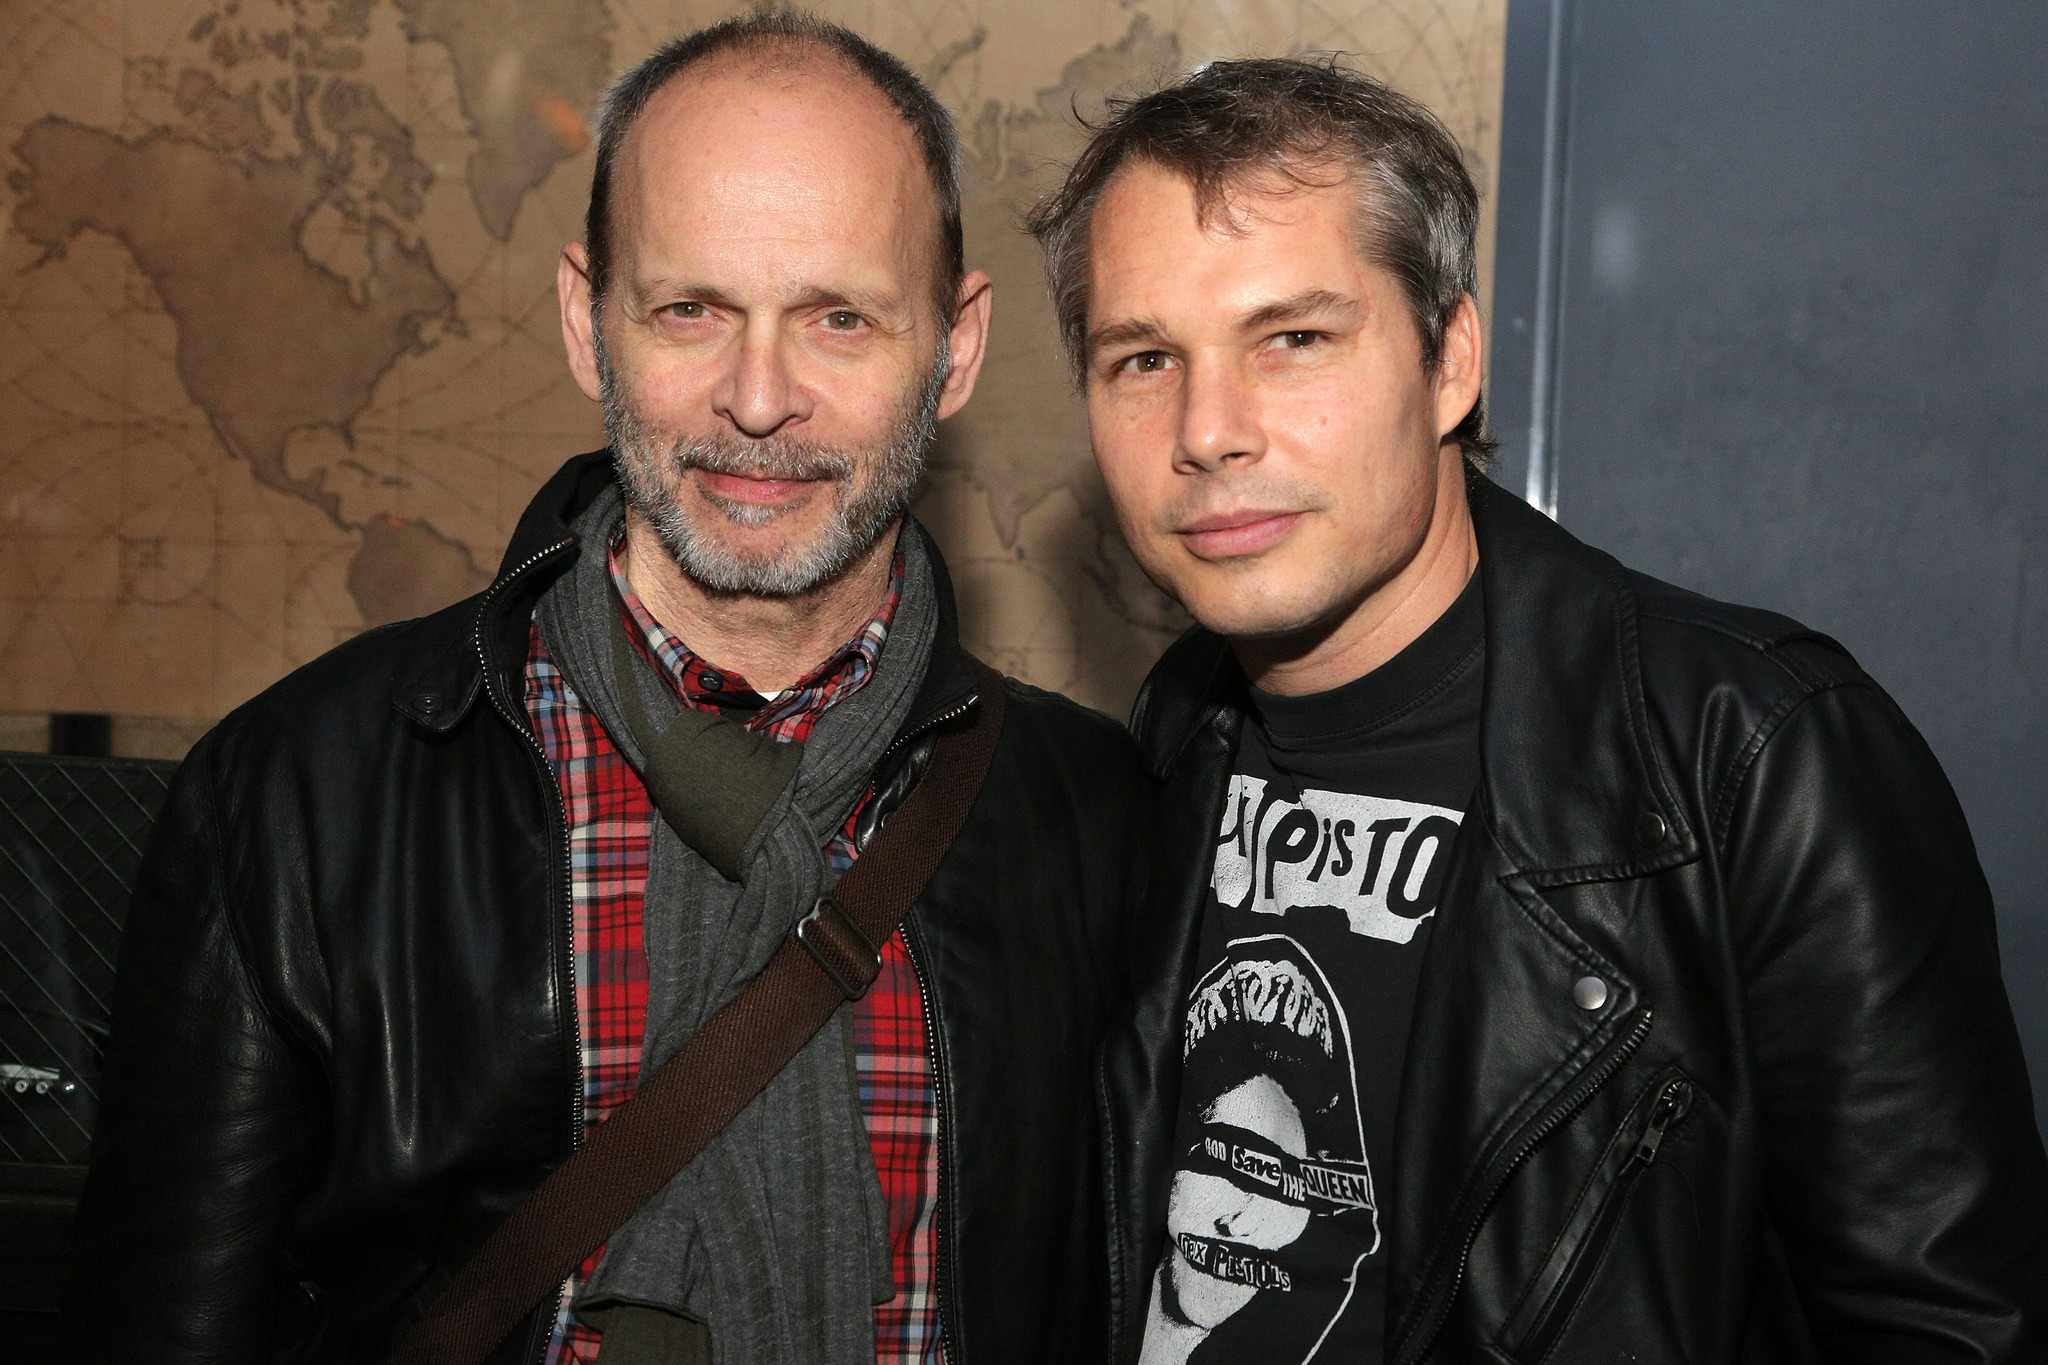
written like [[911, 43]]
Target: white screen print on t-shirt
[[1372, 857], [1273, 1217]]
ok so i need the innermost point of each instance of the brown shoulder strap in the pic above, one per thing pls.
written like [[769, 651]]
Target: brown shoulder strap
[[830, 958]]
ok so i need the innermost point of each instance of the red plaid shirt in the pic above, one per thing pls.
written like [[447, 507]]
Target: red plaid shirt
[[608, 816]]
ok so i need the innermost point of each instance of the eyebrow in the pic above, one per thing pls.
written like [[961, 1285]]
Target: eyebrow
[[1308, 303], [876, 303], [648, 294], [1305, 304], [1123, 333]]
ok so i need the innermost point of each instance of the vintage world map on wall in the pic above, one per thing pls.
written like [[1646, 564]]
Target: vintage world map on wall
[[281, 358]]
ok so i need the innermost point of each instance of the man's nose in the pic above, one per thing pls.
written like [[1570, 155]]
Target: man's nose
[[761, 393], [1219, 419]]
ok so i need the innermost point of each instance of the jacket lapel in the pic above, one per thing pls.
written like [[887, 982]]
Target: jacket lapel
[[1572, 790], [1567, 767]]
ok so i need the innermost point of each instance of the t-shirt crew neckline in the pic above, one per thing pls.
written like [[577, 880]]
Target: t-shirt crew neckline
[[1430, 663]]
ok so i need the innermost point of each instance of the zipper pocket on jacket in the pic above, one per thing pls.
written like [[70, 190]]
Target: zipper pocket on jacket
[[1568, 1272], [1416, 1345]]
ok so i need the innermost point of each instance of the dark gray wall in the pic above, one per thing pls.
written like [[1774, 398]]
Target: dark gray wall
[[1784, 340]]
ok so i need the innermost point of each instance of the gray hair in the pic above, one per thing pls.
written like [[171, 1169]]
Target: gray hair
[[1310, 123]]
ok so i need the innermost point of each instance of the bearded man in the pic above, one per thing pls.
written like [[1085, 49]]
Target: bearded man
[[421, 918]]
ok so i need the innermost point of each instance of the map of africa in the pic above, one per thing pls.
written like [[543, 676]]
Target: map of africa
[[281, 358]]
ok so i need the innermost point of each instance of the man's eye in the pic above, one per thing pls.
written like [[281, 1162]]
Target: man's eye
[[688, 310], [1147, 362], [841, 320], [1295, 341]]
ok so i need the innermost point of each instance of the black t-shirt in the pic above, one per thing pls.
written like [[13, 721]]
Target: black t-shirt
[[1335, 841]]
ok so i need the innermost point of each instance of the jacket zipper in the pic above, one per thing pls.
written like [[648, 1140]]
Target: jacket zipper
[[568, 941], [1532, 1137], [1576, 1263], [953, 712], [933, 1069], [940, 1241]]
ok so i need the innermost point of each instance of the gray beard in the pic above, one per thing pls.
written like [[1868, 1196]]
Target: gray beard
[[871, 489]]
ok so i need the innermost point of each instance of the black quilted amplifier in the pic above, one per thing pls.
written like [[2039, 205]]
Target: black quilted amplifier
[[71, 836]]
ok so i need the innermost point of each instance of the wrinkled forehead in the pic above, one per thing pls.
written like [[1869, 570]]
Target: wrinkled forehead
[[792, 161], [1155, 246], [1245, 202]]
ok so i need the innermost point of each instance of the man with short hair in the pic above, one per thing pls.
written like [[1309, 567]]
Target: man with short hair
[[424, 915], [1543, 963]]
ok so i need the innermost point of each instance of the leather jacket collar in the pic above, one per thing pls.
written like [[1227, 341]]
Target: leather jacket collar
[[1563, 677]]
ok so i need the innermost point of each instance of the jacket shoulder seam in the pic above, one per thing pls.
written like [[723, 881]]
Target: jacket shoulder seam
[[223, 895], [237, 932], [1774, 648], [1062, 709], [1806, 676], [1728, 793], [1058, 701], [1706, 621]]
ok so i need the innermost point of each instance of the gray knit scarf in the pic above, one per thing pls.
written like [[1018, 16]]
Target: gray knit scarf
[[776, 1235]]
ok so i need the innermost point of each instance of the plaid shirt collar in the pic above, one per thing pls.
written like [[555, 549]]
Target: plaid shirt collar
[[790, 715]]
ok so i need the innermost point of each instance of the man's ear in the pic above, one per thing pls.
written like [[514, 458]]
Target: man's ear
[[969, 340], [1461, 369], [579, 336]]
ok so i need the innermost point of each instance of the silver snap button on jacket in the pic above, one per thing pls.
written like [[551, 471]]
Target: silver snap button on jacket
[[1590, 992]]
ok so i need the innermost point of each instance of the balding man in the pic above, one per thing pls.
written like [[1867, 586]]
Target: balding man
[[423, 916]]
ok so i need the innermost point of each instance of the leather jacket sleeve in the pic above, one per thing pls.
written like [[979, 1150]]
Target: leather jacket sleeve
[[1904, 1176], [205, 1117]]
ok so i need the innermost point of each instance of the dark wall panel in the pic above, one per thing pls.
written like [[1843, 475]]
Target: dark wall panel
[[1797, 301]]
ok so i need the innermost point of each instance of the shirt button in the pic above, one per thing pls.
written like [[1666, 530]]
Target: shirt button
[[711, 682], [1589, 992], [1650, 829]]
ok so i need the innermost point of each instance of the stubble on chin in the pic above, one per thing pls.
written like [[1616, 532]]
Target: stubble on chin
[[1274, 593], [867, 490], [1262, 602]]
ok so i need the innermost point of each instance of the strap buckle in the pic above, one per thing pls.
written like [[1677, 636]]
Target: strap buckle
[[832, 945]]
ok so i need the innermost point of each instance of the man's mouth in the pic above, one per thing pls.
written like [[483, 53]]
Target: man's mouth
[[1245, 531], [758, 490]]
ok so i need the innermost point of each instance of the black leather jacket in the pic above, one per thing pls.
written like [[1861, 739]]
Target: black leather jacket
[[345, 1044], [1799, 1125]]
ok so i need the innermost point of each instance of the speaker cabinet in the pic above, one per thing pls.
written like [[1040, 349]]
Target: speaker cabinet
[[71, 838]]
